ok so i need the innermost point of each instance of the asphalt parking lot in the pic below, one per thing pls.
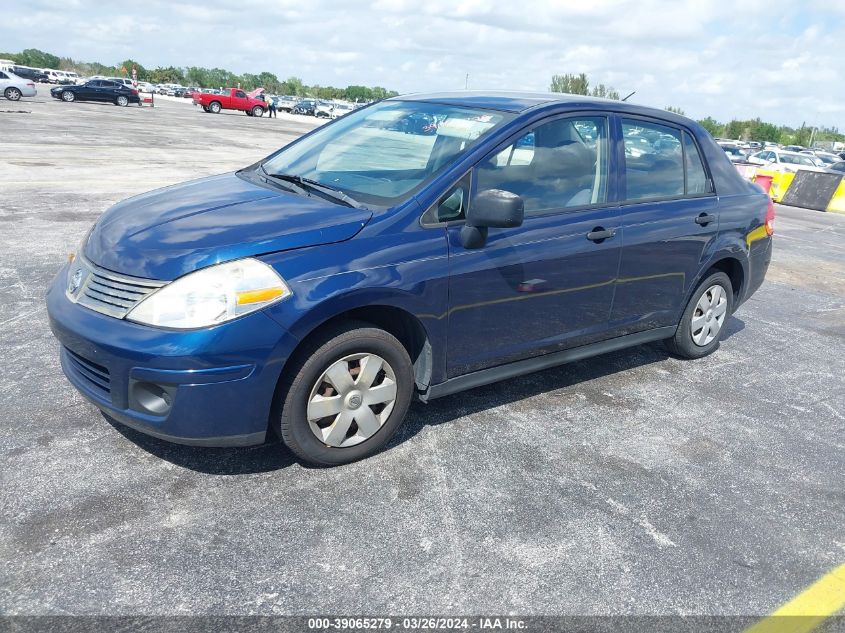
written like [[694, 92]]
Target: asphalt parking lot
[[632, 483]]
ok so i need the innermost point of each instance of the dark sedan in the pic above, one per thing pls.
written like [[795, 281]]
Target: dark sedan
[[98, 90], [306, 106]]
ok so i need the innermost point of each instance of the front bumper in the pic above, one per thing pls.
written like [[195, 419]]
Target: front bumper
[[209, 387]]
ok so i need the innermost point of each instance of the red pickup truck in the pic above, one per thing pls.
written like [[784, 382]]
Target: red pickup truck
[[236, 100]]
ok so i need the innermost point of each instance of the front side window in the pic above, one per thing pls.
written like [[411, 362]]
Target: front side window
[[654, 165], [557, 165], [383, 153]]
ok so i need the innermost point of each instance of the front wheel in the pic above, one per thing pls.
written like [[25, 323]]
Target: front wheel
[[346, 395], [258, 111], [703, 321], [68, 96], [13, 94], [122, 101]]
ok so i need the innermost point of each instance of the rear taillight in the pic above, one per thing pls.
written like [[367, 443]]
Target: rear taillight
[[770, 218], [31, 85]]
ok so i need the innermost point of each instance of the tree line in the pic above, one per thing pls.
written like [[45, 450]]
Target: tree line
[[747, 130], [200, 76]]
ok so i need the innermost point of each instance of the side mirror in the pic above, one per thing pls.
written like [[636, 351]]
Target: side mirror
[[493, 207]]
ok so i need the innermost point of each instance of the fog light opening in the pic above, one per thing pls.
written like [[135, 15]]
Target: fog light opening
[[152, 398]]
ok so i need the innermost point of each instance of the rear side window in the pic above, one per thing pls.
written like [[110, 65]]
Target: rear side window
[[697, 181], [3, 75], [654, 165], [662, 162], [556, 165]]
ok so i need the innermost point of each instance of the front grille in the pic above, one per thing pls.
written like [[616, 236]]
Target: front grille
[[108, 292], [93, 374]]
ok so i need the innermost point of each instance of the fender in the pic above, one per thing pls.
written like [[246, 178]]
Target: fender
[[414, 304]]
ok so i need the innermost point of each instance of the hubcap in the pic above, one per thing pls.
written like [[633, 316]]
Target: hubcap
[[709, 315], [352, 400]]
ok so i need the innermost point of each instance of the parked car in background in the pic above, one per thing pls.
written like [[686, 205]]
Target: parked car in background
[[784, 160], [735, 153], [307, 294], [837, 167], [323, 110], [236, 99], [13, 87], [33, 74], [97, 90], [122, 80], [145, 86], [305, 106], [286, 103], [341, 108], [826, 158], [793, 148]]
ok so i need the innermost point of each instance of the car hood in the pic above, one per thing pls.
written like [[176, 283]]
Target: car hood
[[172, 231]]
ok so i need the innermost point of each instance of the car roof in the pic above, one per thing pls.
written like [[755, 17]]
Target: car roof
[[509, 101]]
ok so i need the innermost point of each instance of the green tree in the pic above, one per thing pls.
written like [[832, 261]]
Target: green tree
[[571, 84], [293, 86], [676, 110], [605, 92], [167, 75], [37, 59], [359, 93], [712, 126]]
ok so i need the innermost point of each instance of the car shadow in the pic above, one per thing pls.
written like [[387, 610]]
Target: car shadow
[[273, 455]]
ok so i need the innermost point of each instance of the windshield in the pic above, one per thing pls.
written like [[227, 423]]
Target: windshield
[[383, 153]]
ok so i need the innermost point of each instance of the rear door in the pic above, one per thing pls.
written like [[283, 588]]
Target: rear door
[[547, 284], [669, 216]]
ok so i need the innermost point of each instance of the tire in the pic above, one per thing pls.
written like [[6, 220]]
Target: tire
[[122, 101], [258, 111], [704, 313], [68, 96], [214, 107], [13, 94], [205, 108], [305, 386]]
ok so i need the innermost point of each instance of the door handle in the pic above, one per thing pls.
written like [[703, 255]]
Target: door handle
[[600, 234], [704, 219]]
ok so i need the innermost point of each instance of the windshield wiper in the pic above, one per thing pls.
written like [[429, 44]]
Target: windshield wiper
[[331, 192], [290, 183]]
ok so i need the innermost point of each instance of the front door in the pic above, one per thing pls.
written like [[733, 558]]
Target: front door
[[549, 283], [669, 216]]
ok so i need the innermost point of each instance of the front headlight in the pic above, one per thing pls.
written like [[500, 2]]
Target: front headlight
[[212, 295]]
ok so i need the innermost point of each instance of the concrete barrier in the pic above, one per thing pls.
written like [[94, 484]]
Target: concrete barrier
[[780, 182], [812, 190], [837, 202]]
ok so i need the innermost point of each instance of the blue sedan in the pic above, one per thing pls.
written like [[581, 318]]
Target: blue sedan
[[315, 293]]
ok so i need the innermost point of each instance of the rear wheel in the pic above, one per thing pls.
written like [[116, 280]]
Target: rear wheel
[[346, 396], [215, 107], [704, 318], [122, 101], [13, 94], [68, 96]]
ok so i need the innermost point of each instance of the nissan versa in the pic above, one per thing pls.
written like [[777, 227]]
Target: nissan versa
[[375, 260]]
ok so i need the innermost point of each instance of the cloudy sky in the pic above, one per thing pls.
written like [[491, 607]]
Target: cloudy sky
[[782, 60]]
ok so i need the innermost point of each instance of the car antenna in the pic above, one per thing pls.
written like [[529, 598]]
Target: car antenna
[[630, 95]]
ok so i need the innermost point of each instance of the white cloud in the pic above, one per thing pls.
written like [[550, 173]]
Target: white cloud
[[781, 62]]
